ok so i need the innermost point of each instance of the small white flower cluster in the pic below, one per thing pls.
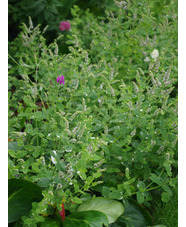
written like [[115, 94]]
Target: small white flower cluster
[[121, 4], [152, 142], [154, 54], [59, 186], [130, 105], [89, 148], [61, 174], [133, 133], [161, 149], [20, 134], [99, 163], [76, 129], [69, 170], [53, 159], [81, 132], [106, 130]]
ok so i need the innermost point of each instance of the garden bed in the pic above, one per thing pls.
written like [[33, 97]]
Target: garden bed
[[93, 118]]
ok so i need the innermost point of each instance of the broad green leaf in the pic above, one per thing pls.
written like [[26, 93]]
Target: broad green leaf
[[90, 218], [114, 225], [158, 226], [111, 208], [50, 223], [134, 216], [21, 195]]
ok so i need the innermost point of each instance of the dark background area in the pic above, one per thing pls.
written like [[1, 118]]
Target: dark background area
[[49, 12]]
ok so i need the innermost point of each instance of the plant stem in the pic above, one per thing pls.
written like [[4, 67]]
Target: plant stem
[[13, 59], [153, 182]]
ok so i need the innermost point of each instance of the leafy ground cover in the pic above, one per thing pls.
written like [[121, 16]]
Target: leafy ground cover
[[97, 124]]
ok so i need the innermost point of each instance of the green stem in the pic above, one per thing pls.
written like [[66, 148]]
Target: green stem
[[153, 182], [13, 59], [159, 186], [114, 141], [36, 69]]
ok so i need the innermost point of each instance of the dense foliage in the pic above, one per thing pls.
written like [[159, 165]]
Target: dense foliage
[[111, 129]]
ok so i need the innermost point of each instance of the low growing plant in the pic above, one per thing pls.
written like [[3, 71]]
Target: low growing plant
[[81, 126]]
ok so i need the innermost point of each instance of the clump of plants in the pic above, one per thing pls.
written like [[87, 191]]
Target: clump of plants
[[95, 130]]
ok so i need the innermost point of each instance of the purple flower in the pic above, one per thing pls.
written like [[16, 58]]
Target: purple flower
[[60, 79], [64, 26]]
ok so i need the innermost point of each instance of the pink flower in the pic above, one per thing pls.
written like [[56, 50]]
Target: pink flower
[[64, 26], [60, 79]]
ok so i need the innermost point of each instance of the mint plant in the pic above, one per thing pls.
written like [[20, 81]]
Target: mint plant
[[97, 121]]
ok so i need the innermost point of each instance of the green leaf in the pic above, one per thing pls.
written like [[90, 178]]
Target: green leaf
[[21, 153], [9, 93], [168, 167], [155, 179], [167, 189], [13, 146], [12, 153], [105, 190], [90, 218], [114, 225], [111, 193], [21, 195], [50, 223], [134, 216], [89, 179], [44, 182], [36, 153], [141, 185], [158, 226], [77, 200], [97, 175], [115, 194], [85, 197], [165, 197], [76, 187], [140, 197], [82, 175], [111, 208]]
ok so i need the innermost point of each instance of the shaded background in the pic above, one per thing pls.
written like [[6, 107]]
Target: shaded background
[[51, 12]]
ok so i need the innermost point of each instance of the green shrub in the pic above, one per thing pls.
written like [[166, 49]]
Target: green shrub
[[111, 129]]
